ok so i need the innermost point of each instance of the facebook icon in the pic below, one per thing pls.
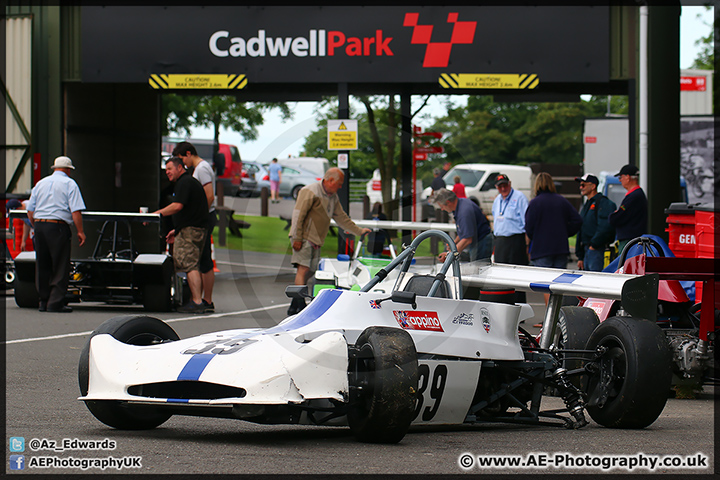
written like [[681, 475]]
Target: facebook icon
[[17, 462]]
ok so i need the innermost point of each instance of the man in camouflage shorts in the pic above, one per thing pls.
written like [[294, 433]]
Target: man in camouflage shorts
[[189, 210]]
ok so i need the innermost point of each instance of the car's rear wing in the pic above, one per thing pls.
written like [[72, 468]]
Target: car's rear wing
[[396, 225], [638, 293], [103, 216]]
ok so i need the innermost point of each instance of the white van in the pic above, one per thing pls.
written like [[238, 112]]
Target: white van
[[479, 181], [317, 165]]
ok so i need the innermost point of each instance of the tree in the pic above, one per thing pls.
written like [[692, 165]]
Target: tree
[[379, 129], [706, 56], [484, 131], [182, 112]]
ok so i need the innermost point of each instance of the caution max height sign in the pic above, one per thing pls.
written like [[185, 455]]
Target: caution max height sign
[[342, 135]]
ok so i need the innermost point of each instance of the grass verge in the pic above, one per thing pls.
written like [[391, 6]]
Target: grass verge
[[268, 235]]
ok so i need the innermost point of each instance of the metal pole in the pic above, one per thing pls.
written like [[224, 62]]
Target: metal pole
[[406, 162], [344, 192]]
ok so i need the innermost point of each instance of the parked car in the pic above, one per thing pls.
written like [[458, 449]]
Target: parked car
[[292, 180], [479, 181], [227, 163], [317, 165], [248, 179]]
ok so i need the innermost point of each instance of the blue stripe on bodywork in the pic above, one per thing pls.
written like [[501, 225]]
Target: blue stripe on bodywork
[[540, 287], [178, 400], [195, 366], [567, 278], [312, 312]]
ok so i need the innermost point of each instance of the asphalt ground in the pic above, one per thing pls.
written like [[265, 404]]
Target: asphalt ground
[[42, 352]]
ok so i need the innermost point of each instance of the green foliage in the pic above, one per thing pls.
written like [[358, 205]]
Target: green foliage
[[484, 131], [706, 56], [182, 112]]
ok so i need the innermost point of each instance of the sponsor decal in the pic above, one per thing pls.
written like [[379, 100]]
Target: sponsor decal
[[417, 320], [485, 316], [464, 319]]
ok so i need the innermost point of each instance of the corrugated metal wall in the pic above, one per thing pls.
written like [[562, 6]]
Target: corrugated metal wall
[[18, 69]]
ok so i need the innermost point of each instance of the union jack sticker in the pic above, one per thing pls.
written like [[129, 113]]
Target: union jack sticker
[[374, 304]]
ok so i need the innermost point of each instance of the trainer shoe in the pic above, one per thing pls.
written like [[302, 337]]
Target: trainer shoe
[[192, 307], [209, 307]]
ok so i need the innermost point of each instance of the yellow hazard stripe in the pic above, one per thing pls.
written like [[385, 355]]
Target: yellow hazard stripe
[[199, 81], [512, 81]]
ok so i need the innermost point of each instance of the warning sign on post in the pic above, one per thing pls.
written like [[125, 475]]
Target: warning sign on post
[[342, 135]]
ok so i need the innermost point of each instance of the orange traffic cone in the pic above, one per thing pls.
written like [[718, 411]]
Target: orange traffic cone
[[212, 255]]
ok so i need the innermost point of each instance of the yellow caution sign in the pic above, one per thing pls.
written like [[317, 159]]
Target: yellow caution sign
[[197, 81], [342, 135], [516, 81]]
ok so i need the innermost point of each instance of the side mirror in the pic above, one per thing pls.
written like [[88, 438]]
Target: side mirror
[[404, 297], [297, 291]]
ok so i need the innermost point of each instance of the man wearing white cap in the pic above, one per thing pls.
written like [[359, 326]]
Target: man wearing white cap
[[55, 204]]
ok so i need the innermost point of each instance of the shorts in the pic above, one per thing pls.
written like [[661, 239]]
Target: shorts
[[274, 185], [206, 262], [188, 245], [307, 256]]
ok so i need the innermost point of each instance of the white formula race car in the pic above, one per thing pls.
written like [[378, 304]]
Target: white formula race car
[[381, 362]]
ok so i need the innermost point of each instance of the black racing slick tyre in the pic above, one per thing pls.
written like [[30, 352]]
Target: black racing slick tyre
[[575, 325], [133, 330], [157, 298], [383, 375], [26, 295], [629, 383]]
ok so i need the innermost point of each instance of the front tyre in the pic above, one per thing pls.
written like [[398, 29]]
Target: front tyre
[[132, 330], [383, 385], [629, 384]]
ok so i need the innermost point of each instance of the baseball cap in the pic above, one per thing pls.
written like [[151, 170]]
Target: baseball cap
[[588, 177], [63, 162], [501, 178], [628, 170]]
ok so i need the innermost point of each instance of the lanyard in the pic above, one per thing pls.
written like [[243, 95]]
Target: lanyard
[[502, 209]]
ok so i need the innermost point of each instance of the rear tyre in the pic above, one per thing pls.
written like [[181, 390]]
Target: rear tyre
[[26, 295], [575, 325], [383, 385], [157, 298], [133, 330], [629, 385]]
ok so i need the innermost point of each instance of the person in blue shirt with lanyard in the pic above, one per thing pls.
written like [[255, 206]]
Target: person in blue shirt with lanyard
[[509, 239], [509, 223]]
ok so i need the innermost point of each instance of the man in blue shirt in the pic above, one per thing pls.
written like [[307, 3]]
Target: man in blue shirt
[[473, 229], [55, 204], [509, 223]]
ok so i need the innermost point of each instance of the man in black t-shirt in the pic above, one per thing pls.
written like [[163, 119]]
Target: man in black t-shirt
[[189, 210]]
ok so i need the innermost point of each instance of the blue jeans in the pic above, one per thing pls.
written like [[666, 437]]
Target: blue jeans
[[551, 261], [594, 259], [480, 250]]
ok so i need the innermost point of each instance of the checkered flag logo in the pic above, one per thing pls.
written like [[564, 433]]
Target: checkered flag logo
[[437, 54]]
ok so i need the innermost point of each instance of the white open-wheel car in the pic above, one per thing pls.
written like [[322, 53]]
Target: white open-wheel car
[[381, 362]]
